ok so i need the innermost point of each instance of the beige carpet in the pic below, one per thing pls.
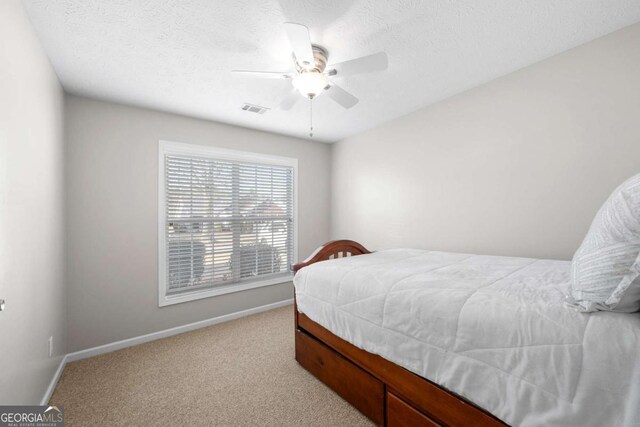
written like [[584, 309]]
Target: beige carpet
[[239, 373]]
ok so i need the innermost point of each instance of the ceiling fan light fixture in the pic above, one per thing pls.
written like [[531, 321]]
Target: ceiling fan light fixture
[[310, 76], [310, 83]]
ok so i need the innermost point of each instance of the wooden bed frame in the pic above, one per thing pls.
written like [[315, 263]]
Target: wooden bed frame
[[385, 392]]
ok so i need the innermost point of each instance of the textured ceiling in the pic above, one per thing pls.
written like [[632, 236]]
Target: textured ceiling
[[177, 55]]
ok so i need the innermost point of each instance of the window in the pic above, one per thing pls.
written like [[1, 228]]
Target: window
[[227, 221]]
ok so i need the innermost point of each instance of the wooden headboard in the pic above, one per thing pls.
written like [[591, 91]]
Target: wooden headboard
[[331, 250]]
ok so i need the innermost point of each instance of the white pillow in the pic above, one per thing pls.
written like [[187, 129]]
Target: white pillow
[[606, 267]]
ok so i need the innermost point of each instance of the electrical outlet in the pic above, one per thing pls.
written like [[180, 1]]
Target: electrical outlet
[[50, 346]]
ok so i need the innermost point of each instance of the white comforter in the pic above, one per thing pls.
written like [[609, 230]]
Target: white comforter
[[492, 329]]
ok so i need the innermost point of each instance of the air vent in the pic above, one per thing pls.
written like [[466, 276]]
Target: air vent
[[254, 108]]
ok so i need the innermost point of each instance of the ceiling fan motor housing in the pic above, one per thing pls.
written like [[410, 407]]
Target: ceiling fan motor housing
[[320, 57]]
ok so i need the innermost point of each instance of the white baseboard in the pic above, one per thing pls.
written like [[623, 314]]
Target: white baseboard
[[130, 342], [54, 381], [107, 348]]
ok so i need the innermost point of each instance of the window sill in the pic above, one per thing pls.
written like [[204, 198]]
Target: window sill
[[166, 300]]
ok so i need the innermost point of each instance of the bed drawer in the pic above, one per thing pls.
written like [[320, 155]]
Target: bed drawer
[[353, 384], [401, 414]]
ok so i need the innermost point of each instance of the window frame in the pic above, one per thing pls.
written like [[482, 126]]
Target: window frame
[[179, 148]]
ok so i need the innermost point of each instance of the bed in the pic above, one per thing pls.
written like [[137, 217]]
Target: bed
[[415, 337]]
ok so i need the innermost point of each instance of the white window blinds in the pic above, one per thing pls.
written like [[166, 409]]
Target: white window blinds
[[226, 222]]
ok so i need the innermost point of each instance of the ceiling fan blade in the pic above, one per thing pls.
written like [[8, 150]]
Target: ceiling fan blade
[[365, 64], [300, 41], [341, 96], [263, 74], [290, 100]]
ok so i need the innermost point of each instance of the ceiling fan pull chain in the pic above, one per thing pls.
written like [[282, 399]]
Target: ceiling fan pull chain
[[311, 118]]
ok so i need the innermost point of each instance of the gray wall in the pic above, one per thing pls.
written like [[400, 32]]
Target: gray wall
[[518, 166], [112, 205], [31, 212]]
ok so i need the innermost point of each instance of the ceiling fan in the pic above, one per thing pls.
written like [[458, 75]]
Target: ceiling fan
[[310, 76]]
